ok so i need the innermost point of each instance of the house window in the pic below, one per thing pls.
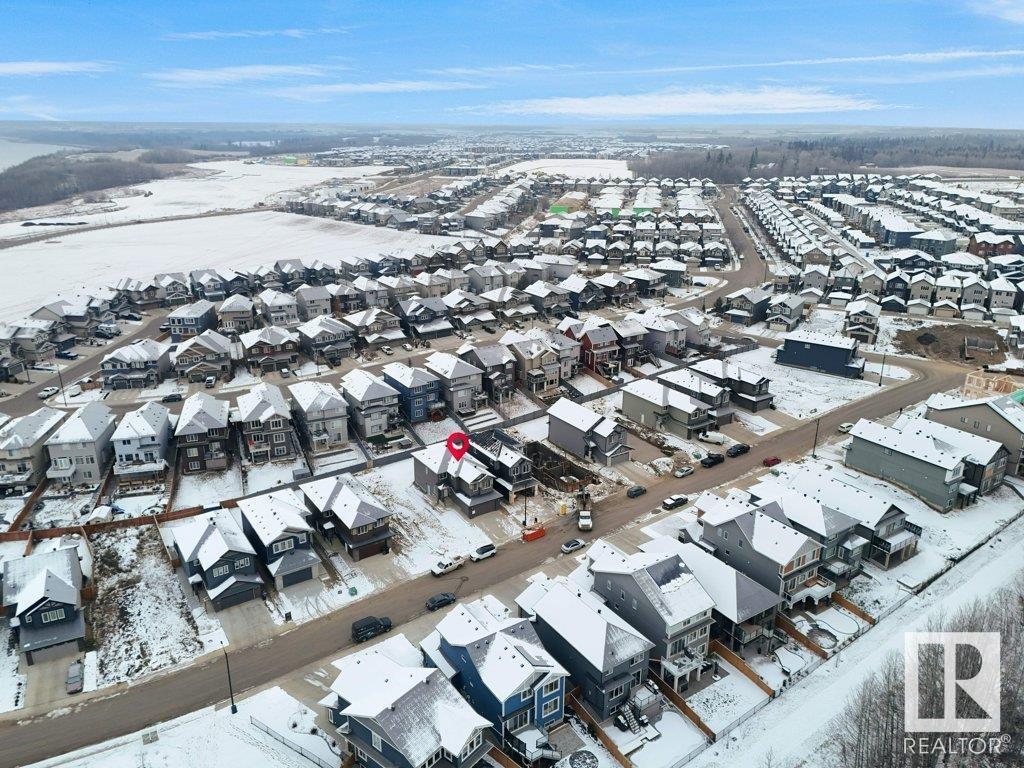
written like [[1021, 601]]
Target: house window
[[473, 744], [551, 687], [276, 424], [302, 538], [617, 691], [526, 695], [279, 437], [549, 708], [377, 742], [50, 616], [242, 562], [193, 465], [193, 452], [282, 546], [280, 450], [220, 570]]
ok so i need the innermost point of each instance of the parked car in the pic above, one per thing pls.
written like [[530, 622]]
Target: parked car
[[75, 678], [771, 461], [675, 500], [683, 472], [131, 316], [489, 328], [112, 328], [636, 491], [407, 347], [174, 397], [285, 373], [482, 553], [711, 460], [572, 545], [716, 438], [845, 427], [737, 450], [448, 565], [99, 333], [46, 392], [585, 520], [211, 382], [387, 350], [369, 627], [440, 600], [62, 355]]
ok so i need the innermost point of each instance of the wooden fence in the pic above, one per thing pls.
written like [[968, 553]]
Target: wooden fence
[[790, 629], [498, 755], [681, 705], [737, 661], [131, 522], [853, 608], [604, 738]]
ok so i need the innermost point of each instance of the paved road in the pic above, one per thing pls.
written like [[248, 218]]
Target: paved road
[[177, 693]]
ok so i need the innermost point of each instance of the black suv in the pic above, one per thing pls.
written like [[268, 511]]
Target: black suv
[[369, 627], [711, 460], [737, 450]]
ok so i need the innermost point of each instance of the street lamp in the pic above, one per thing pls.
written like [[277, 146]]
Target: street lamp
[[814, 448], [231, 690], [881, 370]]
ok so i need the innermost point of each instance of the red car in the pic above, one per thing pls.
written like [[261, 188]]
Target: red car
[[771, 461]]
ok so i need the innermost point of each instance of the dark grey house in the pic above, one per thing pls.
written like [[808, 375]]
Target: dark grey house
[[277, 526], [586, 434], [833, 354], [216, 555]]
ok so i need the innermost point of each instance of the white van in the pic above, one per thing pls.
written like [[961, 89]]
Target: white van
[[585, 522], [715, 438]]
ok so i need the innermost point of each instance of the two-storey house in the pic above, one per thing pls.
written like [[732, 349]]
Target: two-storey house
[[139, 365], [325, 339], [23, 455], [189, 320], [343, 509], [269, 349], [466, 481], [373, 405], [264, 422], [586, 434], [461, 382], [216, 556], [236, 315], [657, 406], [80, 450], [276, 524], [202, 434], [321, 415], [505, 458], [419, 391], [141, 442], [205, 355]]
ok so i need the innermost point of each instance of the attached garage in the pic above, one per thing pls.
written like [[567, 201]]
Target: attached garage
[[237, 593], [296, 577]]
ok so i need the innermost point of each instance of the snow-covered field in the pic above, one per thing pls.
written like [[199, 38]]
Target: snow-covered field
[[213, 738], [208, 488], [753, 423], [581, 168], [436, 431], [518, 405], [262, 477], [585, 383], [726, 700], [94, 259], [142, 620], [422, 531], [12, 684], [535, 429], [217, 186], [802, 393], [61, 511]]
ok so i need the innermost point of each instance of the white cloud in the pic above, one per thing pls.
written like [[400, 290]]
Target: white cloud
[[228, 34], [674, 102], [38, 68], [499, 71], [323, 91], [1007, 10], [928, 76], [221, 76], [26, 106]]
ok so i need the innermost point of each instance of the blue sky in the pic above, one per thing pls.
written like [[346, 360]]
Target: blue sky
[[915, 62]]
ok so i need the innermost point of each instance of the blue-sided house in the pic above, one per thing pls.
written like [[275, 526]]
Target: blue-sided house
[[826, 353], [498, 663], [277, 526]]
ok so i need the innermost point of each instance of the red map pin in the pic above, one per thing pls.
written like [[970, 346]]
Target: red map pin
[[458, 444]]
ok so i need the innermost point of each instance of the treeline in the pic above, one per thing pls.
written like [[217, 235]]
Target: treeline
[[166, 156], [836, 154], [47, 179]]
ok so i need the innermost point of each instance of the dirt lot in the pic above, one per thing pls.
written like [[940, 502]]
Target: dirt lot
[[946, 342]]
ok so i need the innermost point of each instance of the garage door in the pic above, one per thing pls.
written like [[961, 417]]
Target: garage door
[[236, 599], [294, 578]]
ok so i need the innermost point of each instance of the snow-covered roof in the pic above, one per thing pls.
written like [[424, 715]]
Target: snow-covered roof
[[25, 431], [210, 536], [416, 709], [262, 402], [200, 413], [579, 416], [149, 420], [272, 335], [915, 442], [274, 514], [449, 366], [736, 596], [316, 397], [364, 386], [209, 340], [439, 460], [86, 425], [348, 500], [55, 574], [141, 351], [599, 635]]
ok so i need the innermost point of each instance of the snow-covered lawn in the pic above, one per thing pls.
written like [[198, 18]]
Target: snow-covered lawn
[[242, 379], [207, 488], [262, 477], [535, 429], [656, 366], [136, 506], [311, 599], [12, 684], [335, 462], [580, 168], [666, 741], [609, 405], [213, 738], [83, 397], [727, 699], [889, 372], [782, 664], [753, 423], [423, 532], [801, 393], [518, 405], [89, 260], [141, 618], [62, 511], [10, 506], [436, 431], [585, 384]]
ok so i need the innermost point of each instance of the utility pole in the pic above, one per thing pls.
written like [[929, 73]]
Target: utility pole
[[63, 393], [881, 370], [231, 690], [814, 448], [524, 511]]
